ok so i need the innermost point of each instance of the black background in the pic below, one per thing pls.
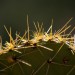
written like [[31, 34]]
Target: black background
[[13, 13]]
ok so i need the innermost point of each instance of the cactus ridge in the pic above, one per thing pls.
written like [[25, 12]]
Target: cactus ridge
[[41, 46]]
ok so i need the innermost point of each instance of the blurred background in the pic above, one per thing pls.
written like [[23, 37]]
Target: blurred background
[[13, 13]]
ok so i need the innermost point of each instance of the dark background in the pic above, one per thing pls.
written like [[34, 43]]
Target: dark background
[[13, 13]]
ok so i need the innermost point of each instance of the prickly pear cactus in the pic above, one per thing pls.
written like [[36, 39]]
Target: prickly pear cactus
[[39, 53]]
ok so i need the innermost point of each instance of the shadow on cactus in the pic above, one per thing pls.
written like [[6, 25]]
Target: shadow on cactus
[[39, 53]]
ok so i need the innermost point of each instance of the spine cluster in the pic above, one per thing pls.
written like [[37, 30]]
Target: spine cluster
[[38, 38]]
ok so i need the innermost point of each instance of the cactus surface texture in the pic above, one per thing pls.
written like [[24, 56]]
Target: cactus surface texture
[[39, 53]]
